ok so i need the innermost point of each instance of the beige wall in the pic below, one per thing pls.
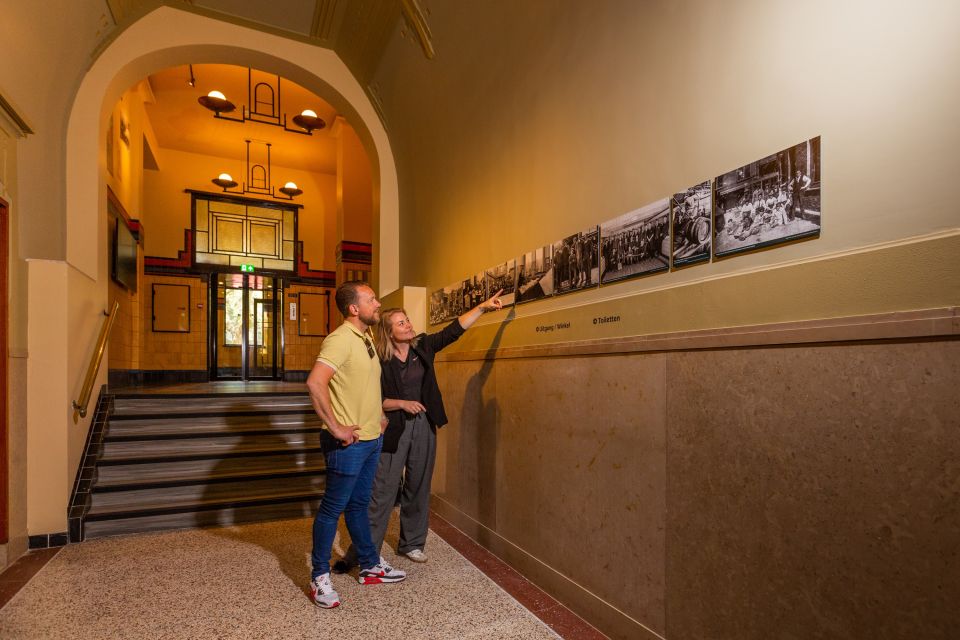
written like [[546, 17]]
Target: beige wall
[[355, 186], [577, 115], [66, 314], [127, 177], [40, 81], [47, 440], [659, 486]]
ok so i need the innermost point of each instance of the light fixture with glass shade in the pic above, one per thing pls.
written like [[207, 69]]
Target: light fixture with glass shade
[[257, 180], [291, 189], [217, 102], [264, 108]]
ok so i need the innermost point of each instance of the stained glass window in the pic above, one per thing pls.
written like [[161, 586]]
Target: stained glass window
[[231, 233]]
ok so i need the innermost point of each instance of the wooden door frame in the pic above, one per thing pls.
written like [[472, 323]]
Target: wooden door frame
[[4, 355]]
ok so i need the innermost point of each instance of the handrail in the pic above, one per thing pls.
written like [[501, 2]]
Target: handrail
[[80, 405]]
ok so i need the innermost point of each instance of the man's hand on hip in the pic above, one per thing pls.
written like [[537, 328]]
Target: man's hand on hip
[[347, 435]]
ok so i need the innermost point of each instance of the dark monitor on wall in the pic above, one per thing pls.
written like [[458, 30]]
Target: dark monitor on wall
[[124, 267]]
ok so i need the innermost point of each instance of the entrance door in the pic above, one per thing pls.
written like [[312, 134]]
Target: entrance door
[[244, 322]]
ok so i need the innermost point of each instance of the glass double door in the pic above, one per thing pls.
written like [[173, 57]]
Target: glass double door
[[245, 327]]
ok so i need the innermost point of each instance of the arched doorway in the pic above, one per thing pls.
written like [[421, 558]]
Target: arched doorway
[[168, 37]]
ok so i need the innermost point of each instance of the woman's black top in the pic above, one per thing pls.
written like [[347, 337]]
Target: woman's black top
[[411, 376], [392, 383]]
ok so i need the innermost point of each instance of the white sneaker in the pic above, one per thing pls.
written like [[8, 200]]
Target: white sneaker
[[417, 555], [381, 573], [322, 593]]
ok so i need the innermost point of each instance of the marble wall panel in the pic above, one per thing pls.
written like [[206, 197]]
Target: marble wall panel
[[470, 440], [581, 464], [814, 492]]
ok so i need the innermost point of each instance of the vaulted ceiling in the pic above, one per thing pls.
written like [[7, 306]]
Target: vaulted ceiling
[[357, 30]]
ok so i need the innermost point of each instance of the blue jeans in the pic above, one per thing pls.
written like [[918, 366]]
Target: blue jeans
[[350, 474]]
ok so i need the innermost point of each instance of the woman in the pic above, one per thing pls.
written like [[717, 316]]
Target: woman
[[414, 408]]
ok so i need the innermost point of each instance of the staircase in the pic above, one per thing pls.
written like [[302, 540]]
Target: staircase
[[177, 461]]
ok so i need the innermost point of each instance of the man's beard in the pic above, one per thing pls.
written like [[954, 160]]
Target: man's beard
[[372, 319]]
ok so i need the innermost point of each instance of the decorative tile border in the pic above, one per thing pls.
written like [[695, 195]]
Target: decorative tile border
[[138, 377], [47, 541], [86, 474]]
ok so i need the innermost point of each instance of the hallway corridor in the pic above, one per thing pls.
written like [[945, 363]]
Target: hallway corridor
[[249, 582]]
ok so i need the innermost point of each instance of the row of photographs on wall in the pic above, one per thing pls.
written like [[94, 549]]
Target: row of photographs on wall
[[769, 202]]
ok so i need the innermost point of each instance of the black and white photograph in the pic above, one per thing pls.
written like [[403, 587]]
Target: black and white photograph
[[636, 243], [576, 262], [454, 295], [474, 291], [691, 211], [770, 201], [535, 275], [503, 276], [438, 307]]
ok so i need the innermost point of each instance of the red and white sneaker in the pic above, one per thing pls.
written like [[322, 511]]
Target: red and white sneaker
[[381, 573], [322, 593]]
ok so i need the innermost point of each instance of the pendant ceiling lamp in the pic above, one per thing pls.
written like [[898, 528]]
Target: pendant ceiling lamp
[[264, 108]]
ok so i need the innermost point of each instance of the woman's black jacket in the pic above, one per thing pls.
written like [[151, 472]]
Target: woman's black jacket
[[392, 386]]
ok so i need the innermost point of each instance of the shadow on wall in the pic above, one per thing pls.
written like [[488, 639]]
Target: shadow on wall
[[484, 437]]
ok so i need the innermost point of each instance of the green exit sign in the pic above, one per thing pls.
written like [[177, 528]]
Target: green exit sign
[[246, 268]]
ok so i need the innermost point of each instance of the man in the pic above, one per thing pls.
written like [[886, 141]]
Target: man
[[345, 389], [798, 184]]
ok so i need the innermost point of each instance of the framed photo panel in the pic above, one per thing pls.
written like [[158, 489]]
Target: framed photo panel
[[455, 302], [535, 275], [475, 290], [437, 307], [690, 215], [503, 276], [636, 243], [768, 202], [576, 262]]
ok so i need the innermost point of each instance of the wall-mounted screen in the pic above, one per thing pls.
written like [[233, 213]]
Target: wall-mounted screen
[[124, 267]]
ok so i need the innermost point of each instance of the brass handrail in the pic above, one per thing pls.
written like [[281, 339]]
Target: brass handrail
[[80, 406]]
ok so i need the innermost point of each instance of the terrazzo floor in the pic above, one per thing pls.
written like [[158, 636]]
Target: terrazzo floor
[[250, 582]]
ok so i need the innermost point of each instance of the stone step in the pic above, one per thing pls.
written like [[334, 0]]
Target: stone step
[[127, 408], [128, 476], [171, 449], [170, 461], [165, 427], [199, 497], [297, 507]]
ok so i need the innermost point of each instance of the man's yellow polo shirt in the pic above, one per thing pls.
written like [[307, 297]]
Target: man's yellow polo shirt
[[355, 387]]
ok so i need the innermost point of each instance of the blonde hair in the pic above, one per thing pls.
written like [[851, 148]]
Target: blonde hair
[[386, 346]]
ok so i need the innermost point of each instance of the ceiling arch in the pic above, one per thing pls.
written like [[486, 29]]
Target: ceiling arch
[[168, 37]]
